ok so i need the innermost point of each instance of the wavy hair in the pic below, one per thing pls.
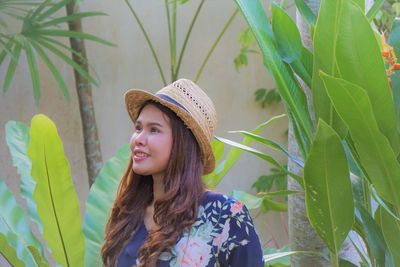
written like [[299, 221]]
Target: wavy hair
[[173, 213]]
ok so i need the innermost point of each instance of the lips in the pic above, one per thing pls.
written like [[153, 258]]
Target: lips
[[139, 155]]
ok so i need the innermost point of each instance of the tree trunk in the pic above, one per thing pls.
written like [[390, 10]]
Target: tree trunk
[[302, 236], [84, 90]]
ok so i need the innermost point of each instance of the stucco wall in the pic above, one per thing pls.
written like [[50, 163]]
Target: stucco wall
[[130, 65]]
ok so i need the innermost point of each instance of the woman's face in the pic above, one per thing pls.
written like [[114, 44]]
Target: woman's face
[[151, 142]]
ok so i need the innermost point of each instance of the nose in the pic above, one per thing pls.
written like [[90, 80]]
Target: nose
[[139, 139]]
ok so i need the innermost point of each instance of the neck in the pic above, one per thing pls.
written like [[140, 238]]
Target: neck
[[158, 187]]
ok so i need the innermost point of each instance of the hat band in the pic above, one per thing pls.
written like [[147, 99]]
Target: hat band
[[172, 101]]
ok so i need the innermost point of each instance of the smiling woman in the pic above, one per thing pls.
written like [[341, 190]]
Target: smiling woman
[[163, 215]]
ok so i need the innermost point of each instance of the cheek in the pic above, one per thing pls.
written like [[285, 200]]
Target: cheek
[[132, 141]]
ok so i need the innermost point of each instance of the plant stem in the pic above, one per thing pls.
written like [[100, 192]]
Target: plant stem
[[215, 44], [148, 41], [83, 87], [334, 259], [187, 37], [173, 42], [169, 31]]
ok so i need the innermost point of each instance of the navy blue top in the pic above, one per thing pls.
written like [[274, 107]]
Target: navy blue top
[[222, 235]]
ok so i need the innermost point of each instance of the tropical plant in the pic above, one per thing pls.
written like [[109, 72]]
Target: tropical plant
[[39, 36], [266, 97], [41, 27], [356, 128], [52, 204], [175, 60], [37, 153]]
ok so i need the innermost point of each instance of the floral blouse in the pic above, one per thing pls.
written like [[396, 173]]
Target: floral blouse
[[222, 235]]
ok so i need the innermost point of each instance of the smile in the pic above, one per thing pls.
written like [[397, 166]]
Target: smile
[[140, 156]]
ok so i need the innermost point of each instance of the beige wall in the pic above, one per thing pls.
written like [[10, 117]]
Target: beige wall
[[130, 65]]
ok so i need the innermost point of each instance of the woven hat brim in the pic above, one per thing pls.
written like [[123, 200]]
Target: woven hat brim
[[134, 100]]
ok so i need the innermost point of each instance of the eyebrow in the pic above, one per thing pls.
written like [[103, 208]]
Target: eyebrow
[[149, 123]]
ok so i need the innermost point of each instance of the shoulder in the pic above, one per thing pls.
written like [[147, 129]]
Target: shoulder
[[224, 204]]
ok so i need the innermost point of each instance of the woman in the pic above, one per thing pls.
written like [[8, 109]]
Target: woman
[[162, 215]]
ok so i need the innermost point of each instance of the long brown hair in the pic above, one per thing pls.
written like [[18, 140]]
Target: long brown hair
[[173, 213]]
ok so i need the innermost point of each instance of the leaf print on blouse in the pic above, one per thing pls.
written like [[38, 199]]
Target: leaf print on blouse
[[213, 234]]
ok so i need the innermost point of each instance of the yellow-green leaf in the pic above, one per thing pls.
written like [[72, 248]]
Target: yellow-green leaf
[[55, 196]]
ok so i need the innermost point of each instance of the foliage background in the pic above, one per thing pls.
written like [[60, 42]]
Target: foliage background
[[130, 65]]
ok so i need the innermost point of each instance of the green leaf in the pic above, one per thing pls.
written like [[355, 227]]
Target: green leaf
[[270, 205], [345, 263], [306, 12], [286, 34], [57, 201], [275, 256], [98, 205], [251, 150], [290, 91], [15, 228], [9, 244], [5, 51], [17, 138], [264, 183], [73, 17], [391, 232], [280, 262], [73, 34], [40, 8], [33, 68], [41, 262], [272, 144], [376, 155], [303, 66], [212, 179], [360, 4], [68, 60], [371, 234], [359, 61], [376, 6], [53, 8], [289, 43], [251, 201], [54, 70], [11, 68], [329, 198], [218, 149], [324, 51]]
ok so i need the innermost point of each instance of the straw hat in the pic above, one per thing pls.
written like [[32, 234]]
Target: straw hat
[[191, 104]]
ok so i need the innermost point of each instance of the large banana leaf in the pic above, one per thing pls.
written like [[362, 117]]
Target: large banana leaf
[[223, 166], [290, 91], [101, 197], [360, 62], [391, 232], [374, 150], [15, 232], [325, 35], [328, 191], [17, 138], [55, 196]]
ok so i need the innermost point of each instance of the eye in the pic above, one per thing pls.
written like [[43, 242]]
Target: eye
[[137, 128], [154, 130]]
